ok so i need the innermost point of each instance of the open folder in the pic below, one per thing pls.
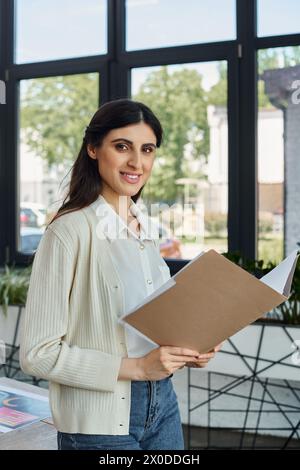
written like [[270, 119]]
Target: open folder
[[209, 300]]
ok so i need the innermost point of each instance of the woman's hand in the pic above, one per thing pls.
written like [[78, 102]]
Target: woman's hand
[[161, 362], [204, 358], [164, 361]]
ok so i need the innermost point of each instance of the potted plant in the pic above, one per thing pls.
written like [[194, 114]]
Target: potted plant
[[14, 283]]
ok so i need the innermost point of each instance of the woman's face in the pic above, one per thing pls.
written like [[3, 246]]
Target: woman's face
[[125, 159]]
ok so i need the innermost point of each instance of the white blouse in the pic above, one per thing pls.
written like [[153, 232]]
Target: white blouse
[[139, 264]]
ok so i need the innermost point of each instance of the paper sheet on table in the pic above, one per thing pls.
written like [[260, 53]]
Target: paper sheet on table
[[208, 301], [19, 408]]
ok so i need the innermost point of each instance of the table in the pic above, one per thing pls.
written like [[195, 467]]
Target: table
[[36, 436]]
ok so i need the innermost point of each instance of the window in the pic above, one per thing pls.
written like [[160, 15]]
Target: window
[[57, 29], [162, 23], [278, 152], [53, 115], [276, 17], [187, 192], [69, 44]]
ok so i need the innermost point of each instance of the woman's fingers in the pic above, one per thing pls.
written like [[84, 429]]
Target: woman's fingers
[[189, 355], [202, 361], [206, 356], [181, 351], [202, 357], [218, 347], [191, 358], [181, 358], [178, 364]]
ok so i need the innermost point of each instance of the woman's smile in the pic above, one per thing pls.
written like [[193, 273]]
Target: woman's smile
[[130, 178]]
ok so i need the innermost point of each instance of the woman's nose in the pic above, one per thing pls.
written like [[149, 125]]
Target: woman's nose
[[136, 159]]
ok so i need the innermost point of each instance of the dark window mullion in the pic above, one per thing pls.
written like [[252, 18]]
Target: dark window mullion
[[3, 107], [277, 41], [233, 150], [117, 71], [55, 68], [178, 54], [9, 150], [247, 195]]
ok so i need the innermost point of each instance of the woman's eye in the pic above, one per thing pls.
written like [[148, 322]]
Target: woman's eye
[[125, 147], [121, 146]]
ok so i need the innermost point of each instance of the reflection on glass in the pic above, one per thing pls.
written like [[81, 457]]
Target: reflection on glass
[[162, 23], [187, 192], [58, 29], [53, 114], [278, 152], [275, 17]]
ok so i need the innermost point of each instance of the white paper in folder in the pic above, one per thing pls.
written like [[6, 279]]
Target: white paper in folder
[[281, 277]]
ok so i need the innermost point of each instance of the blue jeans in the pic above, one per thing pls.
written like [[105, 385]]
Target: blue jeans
[[154, 423]]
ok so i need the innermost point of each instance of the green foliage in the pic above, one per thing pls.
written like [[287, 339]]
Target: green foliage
[[179, 101], [274, 58], [14, 283], [263, 99], [289, 311], [54, 113], [217, 95], [215, 224], [255, 267], [271, 248], [265, 224]]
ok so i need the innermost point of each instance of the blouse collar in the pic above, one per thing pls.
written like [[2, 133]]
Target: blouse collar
[[114, 227]]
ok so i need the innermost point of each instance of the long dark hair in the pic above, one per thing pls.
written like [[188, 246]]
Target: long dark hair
[[86, 184]]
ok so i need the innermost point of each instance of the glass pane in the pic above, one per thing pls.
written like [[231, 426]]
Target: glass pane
[[162, 23], [53, 114], [278, 152], [58, 29], [275, 17], [187, 192]]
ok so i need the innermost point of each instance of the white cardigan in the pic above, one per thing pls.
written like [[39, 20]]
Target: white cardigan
[[70, 333], [140, 267]]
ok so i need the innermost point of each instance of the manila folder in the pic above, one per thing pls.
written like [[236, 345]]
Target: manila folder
[[209, 300]]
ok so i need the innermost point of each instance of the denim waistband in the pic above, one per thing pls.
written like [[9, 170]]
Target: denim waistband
[[153, 381]]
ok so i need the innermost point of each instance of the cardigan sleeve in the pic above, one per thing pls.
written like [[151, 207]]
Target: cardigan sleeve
[[43, 351]]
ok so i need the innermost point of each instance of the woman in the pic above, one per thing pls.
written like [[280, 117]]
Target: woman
[[109, 387]]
